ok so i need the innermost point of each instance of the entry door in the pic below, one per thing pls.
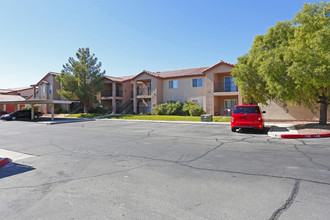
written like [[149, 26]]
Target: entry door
[[229, 106]]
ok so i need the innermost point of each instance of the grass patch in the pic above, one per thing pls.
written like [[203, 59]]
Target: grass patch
[[158, 117], [168, 118], [153, 117], [222, 119], [82, 115]]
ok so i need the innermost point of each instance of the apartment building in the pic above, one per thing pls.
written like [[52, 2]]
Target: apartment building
[[211, 87], [46, 89], [15, 94]]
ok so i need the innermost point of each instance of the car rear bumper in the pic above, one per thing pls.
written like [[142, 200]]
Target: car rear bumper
[[254, 125]]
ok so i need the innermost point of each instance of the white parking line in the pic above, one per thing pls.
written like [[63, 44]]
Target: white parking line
[[14, 156]]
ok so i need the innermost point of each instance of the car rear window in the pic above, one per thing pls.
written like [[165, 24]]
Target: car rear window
[[246, 110]]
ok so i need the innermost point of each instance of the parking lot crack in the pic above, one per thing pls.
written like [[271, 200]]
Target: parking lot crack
[[48, 184], [203, 155], [288, 202], [311, 159]]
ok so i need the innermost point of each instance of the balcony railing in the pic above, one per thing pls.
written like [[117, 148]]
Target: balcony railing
[[143, 91], [106, 93], [225, 87], [222, 111]]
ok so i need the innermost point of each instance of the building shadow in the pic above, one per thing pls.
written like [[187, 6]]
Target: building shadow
[[13, 169]]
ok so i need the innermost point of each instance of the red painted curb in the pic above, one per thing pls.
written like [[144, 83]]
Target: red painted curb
[[291, 136], [4, 161]]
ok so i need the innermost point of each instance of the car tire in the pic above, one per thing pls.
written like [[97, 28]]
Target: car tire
[[13, 118], [233, 129]]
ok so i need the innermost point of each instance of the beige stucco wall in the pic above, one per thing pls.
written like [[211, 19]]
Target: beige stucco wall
[[213, 75], [54, 96], [275, 111], [127, 91], [185, 90]]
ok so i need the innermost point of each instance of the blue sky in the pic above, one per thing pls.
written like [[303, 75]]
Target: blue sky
[[38, 36]]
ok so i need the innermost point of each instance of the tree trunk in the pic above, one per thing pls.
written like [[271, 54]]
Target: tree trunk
[[323, 113], [86, 107]]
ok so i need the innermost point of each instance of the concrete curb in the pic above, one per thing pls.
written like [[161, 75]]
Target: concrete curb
[[276, 130], [173, 122], [66, 121], [294, 136], [4, 161]]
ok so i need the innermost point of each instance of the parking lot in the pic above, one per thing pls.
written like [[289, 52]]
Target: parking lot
[[107, 169]]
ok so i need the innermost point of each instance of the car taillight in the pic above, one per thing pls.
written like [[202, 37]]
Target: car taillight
[[232, 119]]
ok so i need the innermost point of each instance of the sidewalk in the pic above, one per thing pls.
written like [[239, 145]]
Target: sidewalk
[[277, 129]]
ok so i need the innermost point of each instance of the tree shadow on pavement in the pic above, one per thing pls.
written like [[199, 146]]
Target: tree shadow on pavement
[[13, 169]]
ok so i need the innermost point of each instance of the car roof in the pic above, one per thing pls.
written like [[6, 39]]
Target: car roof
[[246, 106]]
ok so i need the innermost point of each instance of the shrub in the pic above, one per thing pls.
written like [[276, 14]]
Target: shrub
[[186, 107], [100, 110], [169, 108], [36, 108], [196, 110], [160, 109], [174, 108]]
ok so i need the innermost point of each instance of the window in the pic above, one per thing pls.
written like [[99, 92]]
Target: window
[[173, 84], [230, 84], [197, 82], [50, 89], [43, 88], [199, 102]]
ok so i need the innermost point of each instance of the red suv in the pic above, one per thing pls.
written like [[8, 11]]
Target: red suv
[[247, 116]]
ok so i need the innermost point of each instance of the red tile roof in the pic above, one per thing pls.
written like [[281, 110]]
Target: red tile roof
[[171, 74], [218, 64], [182, 73], [50, 73], [120, 79], [11, 90]]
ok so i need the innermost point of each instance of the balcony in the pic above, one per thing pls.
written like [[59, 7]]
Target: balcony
[[106, 93], [225, 87], [143, 91]]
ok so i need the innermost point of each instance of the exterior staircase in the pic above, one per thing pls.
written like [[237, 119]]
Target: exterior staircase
[[127, 107]]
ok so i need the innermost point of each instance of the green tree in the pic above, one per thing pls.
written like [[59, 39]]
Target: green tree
[[291, 62], [81, 79]]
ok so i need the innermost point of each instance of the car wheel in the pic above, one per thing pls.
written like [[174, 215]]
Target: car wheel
[[233, 129], [13, 118]]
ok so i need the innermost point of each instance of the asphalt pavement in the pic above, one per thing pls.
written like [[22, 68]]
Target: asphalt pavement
[[109, 169]]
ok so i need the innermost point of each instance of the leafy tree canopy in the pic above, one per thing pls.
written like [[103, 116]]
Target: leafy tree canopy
[[81, 79], [291, 62]]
